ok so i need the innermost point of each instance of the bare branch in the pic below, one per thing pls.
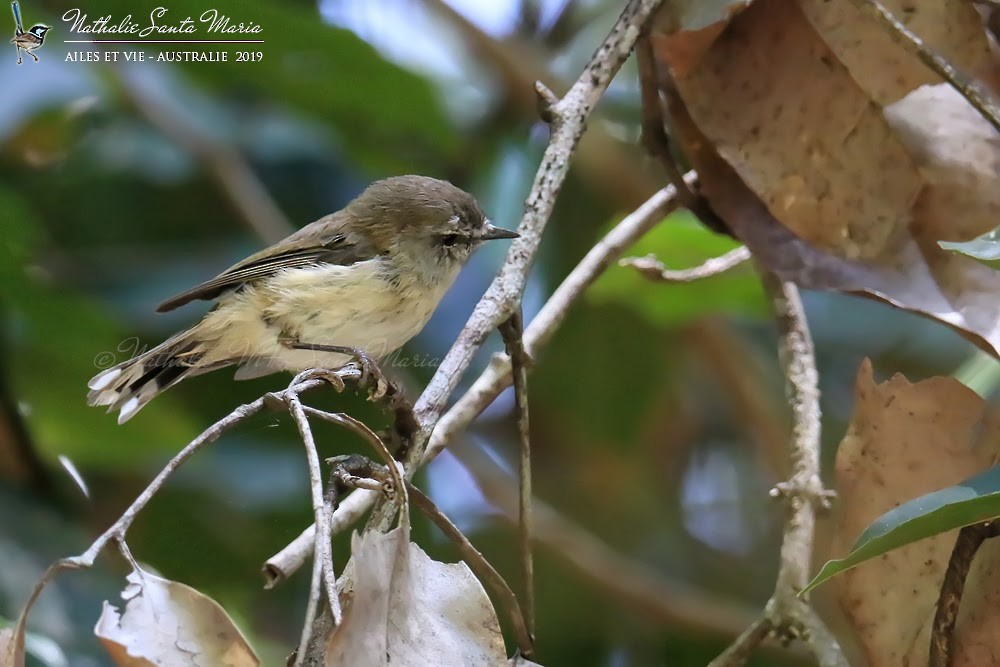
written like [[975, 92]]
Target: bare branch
[[322, 546], [739, 652], [967, 544], [502, 299], [652, 268], [788, 615], [602, 160]]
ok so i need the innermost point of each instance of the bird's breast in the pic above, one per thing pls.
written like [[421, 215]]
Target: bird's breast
[[361, 305]]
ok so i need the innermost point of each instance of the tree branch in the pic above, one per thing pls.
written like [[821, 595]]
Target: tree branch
[[967, 544], [788, 615]]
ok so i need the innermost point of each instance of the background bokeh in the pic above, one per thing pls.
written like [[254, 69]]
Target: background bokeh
[[658, 418]]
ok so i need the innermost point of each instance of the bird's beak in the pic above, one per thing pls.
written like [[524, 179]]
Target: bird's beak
[[492, 232]]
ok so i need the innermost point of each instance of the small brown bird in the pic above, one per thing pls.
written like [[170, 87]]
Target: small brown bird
[[26, 41], [359, 282]]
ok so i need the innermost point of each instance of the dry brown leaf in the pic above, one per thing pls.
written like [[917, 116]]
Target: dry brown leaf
[[684, 30], [168, 623], [406, 610], [778, 106], [10, 656], [906, 440], [958, 153], [883, 68], [915, 276]]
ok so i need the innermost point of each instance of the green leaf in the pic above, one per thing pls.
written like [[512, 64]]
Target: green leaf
[[972, 501], [985, 248], [681, 241]]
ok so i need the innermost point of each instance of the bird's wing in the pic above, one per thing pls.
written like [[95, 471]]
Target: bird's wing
[[302, 249]]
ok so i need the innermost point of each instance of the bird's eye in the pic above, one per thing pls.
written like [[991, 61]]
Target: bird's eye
[[448, 240]]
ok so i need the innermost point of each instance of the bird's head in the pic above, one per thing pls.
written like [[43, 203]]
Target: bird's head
[[431, 223], [40, 30]]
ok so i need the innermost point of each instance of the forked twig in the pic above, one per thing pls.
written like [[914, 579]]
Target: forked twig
[[788, 615]]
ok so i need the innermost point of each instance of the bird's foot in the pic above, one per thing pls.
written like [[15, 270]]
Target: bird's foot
[[372, 377]]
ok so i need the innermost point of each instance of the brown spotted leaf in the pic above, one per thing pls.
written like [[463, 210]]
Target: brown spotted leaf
[[906, 440], [914, 275], [790, 119], [883, 68]]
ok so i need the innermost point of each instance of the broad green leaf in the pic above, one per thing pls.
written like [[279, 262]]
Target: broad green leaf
[[985, 248], [681, 242], [974, 500]]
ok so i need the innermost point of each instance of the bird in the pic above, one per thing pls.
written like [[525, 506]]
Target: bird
[[27, 41], [354, 285]]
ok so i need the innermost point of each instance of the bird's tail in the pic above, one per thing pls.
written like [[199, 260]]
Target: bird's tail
[[132, 384], [17, 17]]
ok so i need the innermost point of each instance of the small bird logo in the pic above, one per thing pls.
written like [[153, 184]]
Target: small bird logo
[[26, 41]]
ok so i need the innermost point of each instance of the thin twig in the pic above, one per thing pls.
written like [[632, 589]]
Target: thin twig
[[978, 95], [481, 567], [602, 160], [323, 549], [652, 268], [967, 544], [788, 615], [283, 564], [513, 335], [739, 652]]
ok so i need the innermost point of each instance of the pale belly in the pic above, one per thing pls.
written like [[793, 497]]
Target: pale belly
[[317, 306]]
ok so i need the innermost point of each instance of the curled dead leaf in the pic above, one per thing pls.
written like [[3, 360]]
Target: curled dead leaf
[[407, 610], [169, 623]]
